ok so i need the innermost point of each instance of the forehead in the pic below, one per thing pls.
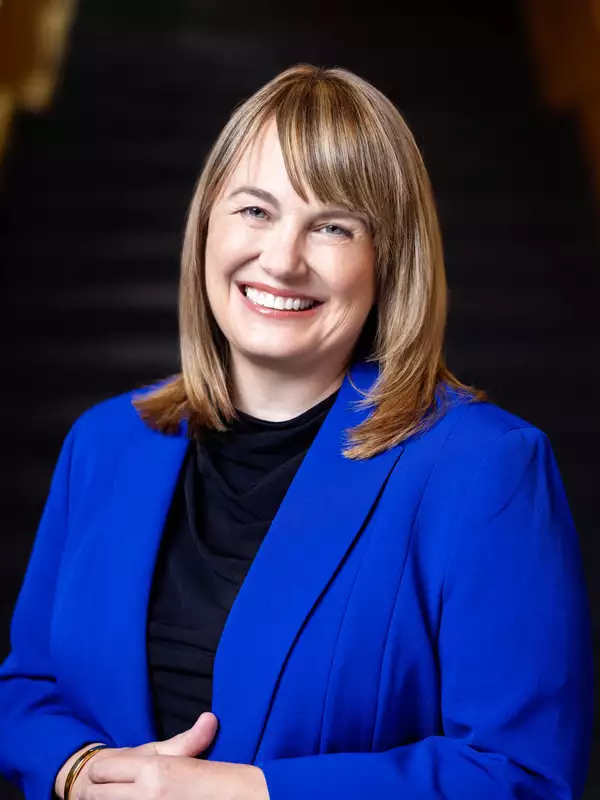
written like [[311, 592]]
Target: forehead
[[262, 163]]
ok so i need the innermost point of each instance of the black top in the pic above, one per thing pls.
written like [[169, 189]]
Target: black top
[[228, 493]]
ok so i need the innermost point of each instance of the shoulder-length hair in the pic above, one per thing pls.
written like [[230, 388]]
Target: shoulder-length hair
[[348, 144]]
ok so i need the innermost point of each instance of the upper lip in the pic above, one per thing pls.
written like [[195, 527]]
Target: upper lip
[[263, 287]]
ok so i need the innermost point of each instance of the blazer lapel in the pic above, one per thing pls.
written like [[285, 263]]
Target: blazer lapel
[[135, 516], [322, 513]]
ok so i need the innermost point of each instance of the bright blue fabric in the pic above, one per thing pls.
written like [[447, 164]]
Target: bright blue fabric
[[414, 625]]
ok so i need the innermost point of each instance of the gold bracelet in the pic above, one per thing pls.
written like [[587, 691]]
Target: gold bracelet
[[78, 766]]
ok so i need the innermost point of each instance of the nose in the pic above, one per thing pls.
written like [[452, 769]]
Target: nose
[[281, 254]]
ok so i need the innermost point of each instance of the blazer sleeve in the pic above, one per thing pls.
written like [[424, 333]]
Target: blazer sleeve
[[38, 732], [514, 648]]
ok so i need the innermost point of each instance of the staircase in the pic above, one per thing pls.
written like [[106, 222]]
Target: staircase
[[94, 195]]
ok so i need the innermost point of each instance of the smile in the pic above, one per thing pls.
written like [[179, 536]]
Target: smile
[[277, 302]]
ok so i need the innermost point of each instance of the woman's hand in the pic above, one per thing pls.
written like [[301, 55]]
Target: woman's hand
[[191, 742], [169, 770], [198, 738], [136, 777]]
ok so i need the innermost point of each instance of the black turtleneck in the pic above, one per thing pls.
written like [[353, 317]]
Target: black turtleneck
[[230, 488]]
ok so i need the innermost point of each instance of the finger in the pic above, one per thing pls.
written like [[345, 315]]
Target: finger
[[193, 741], [116, 769], [110, 791]]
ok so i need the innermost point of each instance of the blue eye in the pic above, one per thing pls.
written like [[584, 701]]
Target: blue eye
[[253, 212], [337, 230]]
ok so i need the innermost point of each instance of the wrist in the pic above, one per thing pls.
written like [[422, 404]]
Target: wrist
[[61, 777]]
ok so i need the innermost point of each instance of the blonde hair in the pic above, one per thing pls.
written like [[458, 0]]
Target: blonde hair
[[348, 144]]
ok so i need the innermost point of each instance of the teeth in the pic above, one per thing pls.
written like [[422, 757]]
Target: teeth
[[279, 303]]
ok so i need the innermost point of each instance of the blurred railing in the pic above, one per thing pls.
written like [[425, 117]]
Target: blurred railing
[[566, 41], [32, 39]]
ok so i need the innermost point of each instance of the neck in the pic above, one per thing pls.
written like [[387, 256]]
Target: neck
[[267, 393]]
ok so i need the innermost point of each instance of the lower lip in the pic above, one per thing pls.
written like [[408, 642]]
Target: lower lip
[[277, 313]]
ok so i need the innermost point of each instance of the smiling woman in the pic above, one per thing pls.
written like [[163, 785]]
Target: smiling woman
[[313, 564], [314, 190], [259, 261]]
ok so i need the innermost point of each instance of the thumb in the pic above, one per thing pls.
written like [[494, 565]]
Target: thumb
[[193, 741]]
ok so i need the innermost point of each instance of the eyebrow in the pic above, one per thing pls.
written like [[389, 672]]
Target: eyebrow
[[267, 197]]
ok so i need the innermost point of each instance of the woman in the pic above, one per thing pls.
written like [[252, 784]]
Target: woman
[[386, 562]]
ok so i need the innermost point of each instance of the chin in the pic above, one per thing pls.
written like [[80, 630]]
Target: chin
[[275, 356]]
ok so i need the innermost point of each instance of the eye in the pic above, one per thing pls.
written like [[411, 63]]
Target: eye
[[336, 230], [253, 212]]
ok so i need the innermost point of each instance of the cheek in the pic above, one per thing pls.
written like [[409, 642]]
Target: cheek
[[354, 284], [222, 245], [220, 262]]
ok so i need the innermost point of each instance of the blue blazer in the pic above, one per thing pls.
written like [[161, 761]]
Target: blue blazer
[[414, 625]]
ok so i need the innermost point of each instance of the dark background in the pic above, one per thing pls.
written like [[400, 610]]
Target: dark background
[[93, 196]]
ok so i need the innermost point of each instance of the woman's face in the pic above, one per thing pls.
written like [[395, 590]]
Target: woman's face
[[290, 283]]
